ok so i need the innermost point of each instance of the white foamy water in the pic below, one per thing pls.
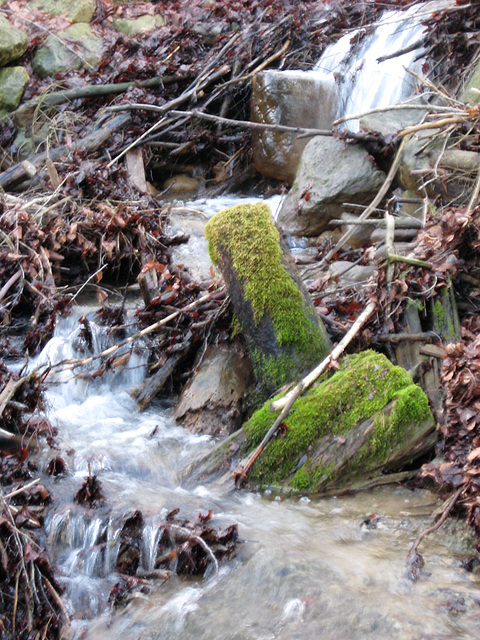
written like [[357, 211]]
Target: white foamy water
[[305, 569]]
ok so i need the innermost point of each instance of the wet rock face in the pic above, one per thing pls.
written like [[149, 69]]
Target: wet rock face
[[291, 98], [128, 557], [330, 173], [13, 42], [213, 400]]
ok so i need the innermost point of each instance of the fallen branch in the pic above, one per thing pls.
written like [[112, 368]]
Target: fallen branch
[[286, 403], [415, 45], [397, 107], [91, 142], [244, 124], [153, 385], [372, 206], [415, 262], [400, 223], [89, 91], [393, 338], [168, 107]]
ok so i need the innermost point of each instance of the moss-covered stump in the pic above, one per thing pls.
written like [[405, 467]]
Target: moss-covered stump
[[283, 333], [368, 418]]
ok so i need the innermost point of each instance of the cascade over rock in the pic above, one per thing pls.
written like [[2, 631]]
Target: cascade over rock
[[330, 173]]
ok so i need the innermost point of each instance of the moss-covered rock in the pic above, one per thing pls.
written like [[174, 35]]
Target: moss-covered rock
[[12, 85], [367, 417], [74, 48], [283, 333], [75, 10], [140, 25], [13, 42]]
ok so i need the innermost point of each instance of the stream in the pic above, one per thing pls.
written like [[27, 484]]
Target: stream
[[331, 568]]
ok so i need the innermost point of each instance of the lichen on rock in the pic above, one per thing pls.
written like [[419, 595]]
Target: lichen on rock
[[348, 427], [12, 85], [75, 10], [13, 42], [74, 48]]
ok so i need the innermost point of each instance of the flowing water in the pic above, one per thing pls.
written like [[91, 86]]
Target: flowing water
[[330, 568], [354, 69], [325, 568]]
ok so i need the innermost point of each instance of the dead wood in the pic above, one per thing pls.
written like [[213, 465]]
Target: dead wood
[[91, 142], [400, 223], [414, 559], [172, 104], [373, 205], [247, 124], [152, 386], [24, 113]]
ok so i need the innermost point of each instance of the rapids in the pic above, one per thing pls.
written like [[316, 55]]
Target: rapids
[[330, 568]]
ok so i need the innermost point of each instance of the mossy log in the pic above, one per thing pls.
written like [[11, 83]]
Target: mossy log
[[365, 420], [283, 333]]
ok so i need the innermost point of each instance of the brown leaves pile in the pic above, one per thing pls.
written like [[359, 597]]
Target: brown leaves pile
[[460, 428]]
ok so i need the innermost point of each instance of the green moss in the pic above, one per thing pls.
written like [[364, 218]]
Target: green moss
[[438, 312], [362, 387], [247, 233]]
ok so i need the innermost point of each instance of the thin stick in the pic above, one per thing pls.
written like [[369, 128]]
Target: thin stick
[[334, 355], [22, 489], [198, 539], [434, 124], [171, 105], [393, 257], [286, 403], [372, 206], [449, 504], [397, 107], [88, 280], [245, 124], [153, 327], [475, 193]]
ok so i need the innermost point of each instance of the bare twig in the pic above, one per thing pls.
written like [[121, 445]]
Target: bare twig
[[169, 106], [373, 205]]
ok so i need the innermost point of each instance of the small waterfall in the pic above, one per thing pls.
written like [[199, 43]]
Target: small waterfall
[[70, 342], [362, 82]]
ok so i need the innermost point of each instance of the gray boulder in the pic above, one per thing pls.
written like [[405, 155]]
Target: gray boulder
[[391, 121], [330, 173], [13, 42], [60, 53], [294, 99], [12, 85], [212, 402]]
